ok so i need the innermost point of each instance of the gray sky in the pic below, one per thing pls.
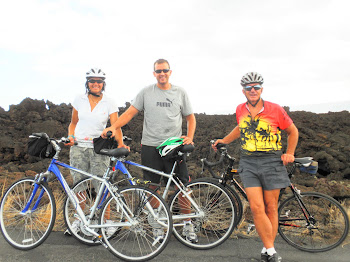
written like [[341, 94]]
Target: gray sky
[[301, 48]]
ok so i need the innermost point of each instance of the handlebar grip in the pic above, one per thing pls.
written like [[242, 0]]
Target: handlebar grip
[[109, 134], [211, 164], [219, 145], [66, 140]]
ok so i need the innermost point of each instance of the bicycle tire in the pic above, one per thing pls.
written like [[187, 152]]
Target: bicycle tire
[[218, 209], [136, 242], [86, 193], [329, 222], [236, 198], [29, 230]]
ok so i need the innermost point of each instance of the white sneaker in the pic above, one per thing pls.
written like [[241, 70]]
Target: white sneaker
[[158, 232], [110, 230], [188, 232], [74, 227]]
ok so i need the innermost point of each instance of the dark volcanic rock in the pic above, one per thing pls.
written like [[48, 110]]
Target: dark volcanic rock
[[326, 137]]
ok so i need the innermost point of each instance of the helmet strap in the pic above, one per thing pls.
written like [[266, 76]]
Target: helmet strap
[[254, 105], [90, 93]]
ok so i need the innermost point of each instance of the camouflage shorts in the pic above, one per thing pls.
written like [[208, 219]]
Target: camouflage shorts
[[87, 160]]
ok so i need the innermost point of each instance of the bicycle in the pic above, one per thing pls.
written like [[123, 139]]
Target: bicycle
[[28, 210], [211, 209], [309, 221]]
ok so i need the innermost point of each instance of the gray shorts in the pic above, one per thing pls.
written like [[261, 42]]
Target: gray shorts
[[87, 160], [267, 172]]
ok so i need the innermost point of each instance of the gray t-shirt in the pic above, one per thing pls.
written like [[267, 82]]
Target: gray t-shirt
[[163, 111]]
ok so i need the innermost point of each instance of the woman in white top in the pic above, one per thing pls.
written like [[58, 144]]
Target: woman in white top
[[90, 115]]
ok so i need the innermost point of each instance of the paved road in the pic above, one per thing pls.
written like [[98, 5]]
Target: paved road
[[62, 248]]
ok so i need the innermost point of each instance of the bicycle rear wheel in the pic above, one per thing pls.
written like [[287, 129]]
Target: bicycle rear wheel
[[86, 194], [142, 237], [213, 221], [29, 229], [327, 227]]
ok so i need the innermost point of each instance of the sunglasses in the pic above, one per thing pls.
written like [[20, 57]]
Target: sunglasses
[[92, 81], [162, 70], [256, 87]]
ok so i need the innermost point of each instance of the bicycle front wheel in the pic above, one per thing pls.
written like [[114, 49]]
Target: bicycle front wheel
[[28, 213], [143, 224], [237, 199], [326, 227], [212, 215]]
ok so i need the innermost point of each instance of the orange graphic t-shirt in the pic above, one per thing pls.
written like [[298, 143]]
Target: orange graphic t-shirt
[[263, 133]]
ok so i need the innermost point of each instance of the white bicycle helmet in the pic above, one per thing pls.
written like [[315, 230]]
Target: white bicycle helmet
[[96, 72], [168, 147], [252, 77]]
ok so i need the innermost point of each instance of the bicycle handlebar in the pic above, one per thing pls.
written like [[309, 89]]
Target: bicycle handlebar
[[125, 138], [211, 164]]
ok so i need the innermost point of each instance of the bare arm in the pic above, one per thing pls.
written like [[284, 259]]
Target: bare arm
[[121, 121], [191, 128], [292, 141], [118, 133], [72, 126]]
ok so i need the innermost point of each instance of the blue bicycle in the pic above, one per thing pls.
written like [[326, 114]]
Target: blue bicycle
[[121, 219]]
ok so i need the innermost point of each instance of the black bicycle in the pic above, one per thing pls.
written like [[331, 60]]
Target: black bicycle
[[309, 221]]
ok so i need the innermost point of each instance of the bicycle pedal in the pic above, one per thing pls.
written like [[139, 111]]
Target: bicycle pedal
[[250, 228]]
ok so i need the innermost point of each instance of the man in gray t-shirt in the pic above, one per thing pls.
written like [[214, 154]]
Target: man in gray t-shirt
[[164, 105], [163, 111]]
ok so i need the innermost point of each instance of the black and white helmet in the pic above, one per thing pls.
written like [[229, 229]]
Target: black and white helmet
[[252, 77], [96, 72]]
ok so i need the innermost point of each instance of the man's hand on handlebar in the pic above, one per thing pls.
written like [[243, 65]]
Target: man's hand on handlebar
[[215, 142], [109, 129]]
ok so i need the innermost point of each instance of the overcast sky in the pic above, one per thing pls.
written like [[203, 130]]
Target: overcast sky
[[301, 48]]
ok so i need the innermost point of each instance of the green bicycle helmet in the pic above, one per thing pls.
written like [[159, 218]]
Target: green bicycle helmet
[[168, 147]]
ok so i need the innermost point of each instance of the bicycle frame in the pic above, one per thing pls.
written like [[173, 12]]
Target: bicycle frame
[[231, 171], [104, 190], [120, 165]]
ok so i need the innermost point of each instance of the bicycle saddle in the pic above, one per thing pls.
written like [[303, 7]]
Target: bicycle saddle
[[116, 152], [187, 148], [303, 160]]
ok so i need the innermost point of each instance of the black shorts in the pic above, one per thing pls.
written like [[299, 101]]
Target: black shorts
[[266, 172], [150, 157]]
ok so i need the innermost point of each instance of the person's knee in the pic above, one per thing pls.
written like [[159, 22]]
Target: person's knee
[[271, 208], [257, 208]]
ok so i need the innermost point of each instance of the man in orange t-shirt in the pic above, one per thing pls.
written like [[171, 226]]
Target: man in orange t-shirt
[[262, 162]]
